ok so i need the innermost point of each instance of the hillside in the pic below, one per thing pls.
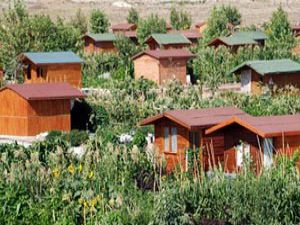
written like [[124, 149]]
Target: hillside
[[253, 11]]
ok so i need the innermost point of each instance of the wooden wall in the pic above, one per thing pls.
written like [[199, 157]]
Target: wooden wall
[[56, 73], [19, 117], [147, 67], [172, 159], [98, 47], [173, 68]]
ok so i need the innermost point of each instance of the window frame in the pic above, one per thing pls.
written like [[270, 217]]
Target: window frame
[[170, 136]]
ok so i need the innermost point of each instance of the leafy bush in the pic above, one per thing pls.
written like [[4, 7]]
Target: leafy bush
[[76, 137], [99, 22], [180, 20], [133, 16], [98, 117]]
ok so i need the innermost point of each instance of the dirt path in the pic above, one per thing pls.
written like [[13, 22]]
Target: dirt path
[[253, 11]]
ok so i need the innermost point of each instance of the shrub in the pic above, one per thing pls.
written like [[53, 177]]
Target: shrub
[[133, 16], [99, 22], [139, 139], [98, 118], [180, 20], [53, 135], [77, 137]]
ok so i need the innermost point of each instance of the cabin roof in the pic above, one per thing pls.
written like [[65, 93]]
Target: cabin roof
[[123, 26], [200, 24], [196, 118], [264, 126], [102, 37], [264, 67], [130, 34], [45, 91], [241, 38], [166, 53], [189, 34], [52, 57], [165, 39]]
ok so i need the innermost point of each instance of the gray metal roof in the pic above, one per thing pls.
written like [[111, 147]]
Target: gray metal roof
[[52, 57], [102, 37]]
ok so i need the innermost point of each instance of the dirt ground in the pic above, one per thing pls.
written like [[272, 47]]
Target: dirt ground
[[253, 11]]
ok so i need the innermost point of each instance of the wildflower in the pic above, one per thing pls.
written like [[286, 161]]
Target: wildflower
[[119, 201], [93, 202], [111, 202], [56, 173], [80, 168], [85, 204], [80, 201], [91, 175], [71, 169]]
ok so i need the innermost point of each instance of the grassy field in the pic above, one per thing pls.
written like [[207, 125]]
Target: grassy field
[[253, 11]]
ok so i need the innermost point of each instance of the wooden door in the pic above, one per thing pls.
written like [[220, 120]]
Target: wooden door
[[246, 81]]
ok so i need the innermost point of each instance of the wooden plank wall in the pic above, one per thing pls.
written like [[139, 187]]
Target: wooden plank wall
[[170, 68], [147, 67]]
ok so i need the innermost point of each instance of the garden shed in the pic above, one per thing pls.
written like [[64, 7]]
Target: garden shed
[[99, 43], [240, 39], [121, 28], [30, 109], [162, 65], [200, 27], [279, 73], [52, 67], [257, 138], [179, 130], [167, 41], [192, 35]]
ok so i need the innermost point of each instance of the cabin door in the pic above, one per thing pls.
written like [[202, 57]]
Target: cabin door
[[268, 152], [242, 154], [246, 81]]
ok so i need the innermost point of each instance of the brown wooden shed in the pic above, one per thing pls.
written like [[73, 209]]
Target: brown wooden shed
[[30, 109], [99, 43], [179, 130], [162, 65], [168, 41], [279, 73], [52, 67], [121, 28], [257, 138]]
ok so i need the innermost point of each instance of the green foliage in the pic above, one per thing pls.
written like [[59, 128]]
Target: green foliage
[[150, 25], [133, 16], [80, 22], [180, 20], [77, 137], [280, 36], [217, 23], [20, 33], [139, 139], [99, 22], [99, 117]]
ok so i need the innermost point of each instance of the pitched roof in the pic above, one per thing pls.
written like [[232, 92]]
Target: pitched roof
[[196, 118], [166, 53], [51, 57], [200, 24], [123, 26], [264, 126], [102, 37], [189, 34], [45, 91], [264, 67], [241, 38], [130, 34], [165, 39]]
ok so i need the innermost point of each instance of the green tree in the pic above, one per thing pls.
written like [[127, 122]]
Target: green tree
[[217, 23], [133, 16], [280, 39], [99, 22], [79, 21], [180, 20], [150, 25]]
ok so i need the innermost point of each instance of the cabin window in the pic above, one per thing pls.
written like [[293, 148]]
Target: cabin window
[[28, 72], [194, 140], [243, 153], [170, 139], [166, 138], [40, 72], [268, 152], [174, 139]]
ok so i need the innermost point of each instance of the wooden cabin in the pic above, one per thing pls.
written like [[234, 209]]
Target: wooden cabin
[[99, 43], [180, 130], [132, 36], [200, 27], [162, 65], [296, 30], [257, 74], [257, 140], [167, 41], [52, 67], [1, 75], [192, 35], [240, 39], [121, 28], [31, 109]]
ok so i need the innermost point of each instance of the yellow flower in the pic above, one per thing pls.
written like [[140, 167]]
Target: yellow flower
[[80, 168], [71, 169], [91, 175], [80, 201], [85, 204], [93, 202], [56, 173]]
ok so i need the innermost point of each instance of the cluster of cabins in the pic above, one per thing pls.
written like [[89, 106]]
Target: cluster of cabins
[[226, 136], [52, 82]]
